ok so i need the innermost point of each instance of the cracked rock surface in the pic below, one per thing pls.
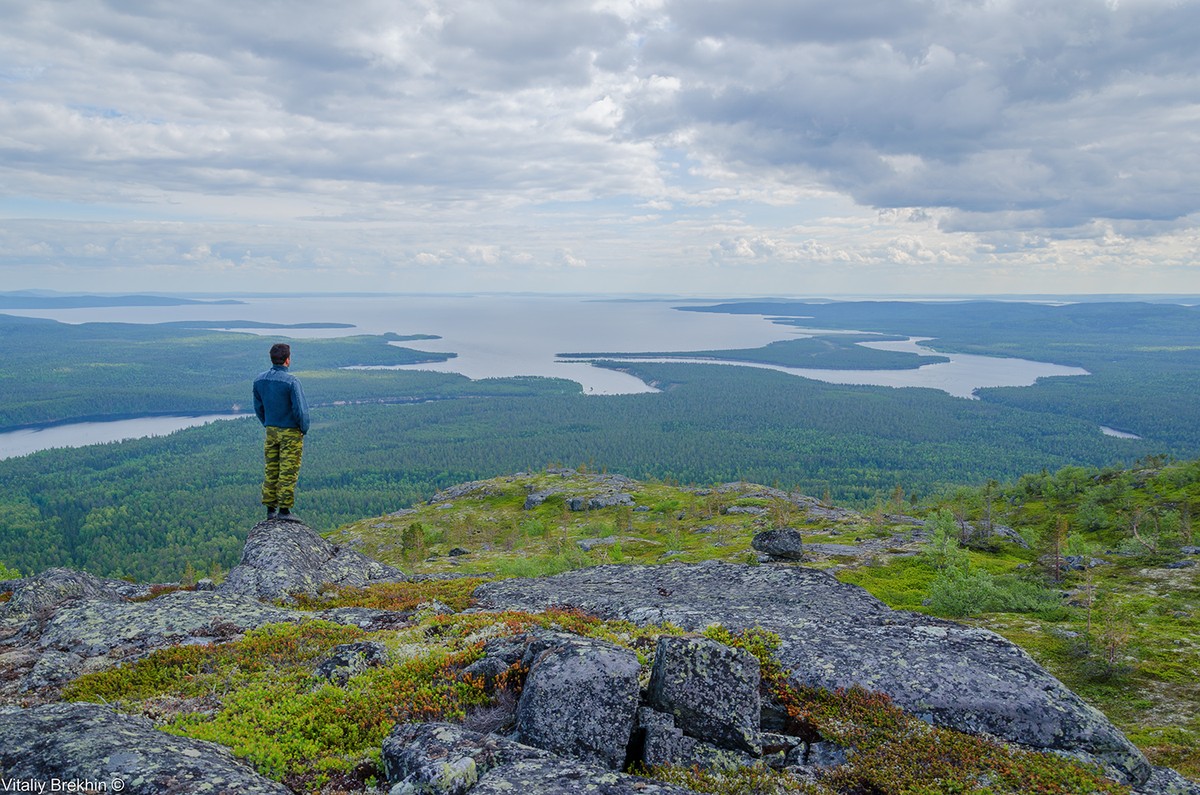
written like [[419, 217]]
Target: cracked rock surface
[[92, 743], [446, 759], [580, 699], [837, 636]]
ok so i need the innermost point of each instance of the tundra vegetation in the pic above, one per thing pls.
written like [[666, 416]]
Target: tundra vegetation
[[995, 557]]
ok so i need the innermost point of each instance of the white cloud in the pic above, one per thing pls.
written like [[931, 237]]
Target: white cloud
[[439, 138]]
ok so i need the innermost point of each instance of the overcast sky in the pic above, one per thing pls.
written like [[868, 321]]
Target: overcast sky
[[790, 147]]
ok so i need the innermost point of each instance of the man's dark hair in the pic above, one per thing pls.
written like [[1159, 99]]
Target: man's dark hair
[[280, 352]]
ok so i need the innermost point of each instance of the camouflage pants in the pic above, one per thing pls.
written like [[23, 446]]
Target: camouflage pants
[[282, 455]]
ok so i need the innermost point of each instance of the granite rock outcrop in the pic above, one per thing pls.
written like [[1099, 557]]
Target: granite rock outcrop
[[284, 559], [91, 745], [587, 708], [835, 636]]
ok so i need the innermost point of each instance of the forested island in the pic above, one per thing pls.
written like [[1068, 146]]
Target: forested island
[[826, 351]]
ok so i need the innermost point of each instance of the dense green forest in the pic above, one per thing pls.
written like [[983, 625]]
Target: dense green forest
[[1144, 359], [150, 507], [52, 372]]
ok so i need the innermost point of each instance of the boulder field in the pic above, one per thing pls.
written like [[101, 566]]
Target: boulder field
[[585, 712]]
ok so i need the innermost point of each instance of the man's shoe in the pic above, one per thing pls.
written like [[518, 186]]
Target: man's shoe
[[270, 512], [286, 515]]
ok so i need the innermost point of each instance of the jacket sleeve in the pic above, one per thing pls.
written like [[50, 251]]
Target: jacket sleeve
[[300, 406], [260, 410]]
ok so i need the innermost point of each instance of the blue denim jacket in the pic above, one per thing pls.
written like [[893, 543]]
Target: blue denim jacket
[[279, 400]]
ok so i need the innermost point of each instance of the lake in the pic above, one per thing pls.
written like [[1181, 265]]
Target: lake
[[78, 434], [960, 376], [496, 336]]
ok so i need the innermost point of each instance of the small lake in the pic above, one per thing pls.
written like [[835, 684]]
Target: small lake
[[79, 434]]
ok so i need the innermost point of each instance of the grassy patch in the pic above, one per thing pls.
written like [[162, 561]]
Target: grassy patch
[[899, 754], [903, 583], [259, 697], [400, 596]]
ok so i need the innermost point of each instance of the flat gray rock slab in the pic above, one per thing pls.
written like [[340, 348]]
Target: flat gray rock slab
[[91, 743], [839, 550], [838, 636], [55, 586]]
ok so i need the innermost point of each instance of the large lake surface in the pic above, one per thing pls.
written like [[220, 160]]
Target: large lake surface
[[508, 335]]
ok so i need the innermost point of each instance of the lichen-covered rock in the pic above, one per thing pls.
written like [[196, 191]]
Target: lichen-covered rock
[[92, 634], [817, 510], [662, 742], [818, 756], [580, 699], [745, 510], [981, 534], [609, 501], [476, 488], [839, 550], [537, 498], [102, 632], [784, 543], [284, 559], [560, 777], [443, 759], [1164, 781], [711, 689], [91, 743], [835, 635], [599, 501], [369, 619], [54, 587], [348, 660]]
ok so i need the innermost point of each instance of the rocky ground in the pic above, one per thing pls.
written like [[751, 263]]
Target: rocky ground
[[588, 710]]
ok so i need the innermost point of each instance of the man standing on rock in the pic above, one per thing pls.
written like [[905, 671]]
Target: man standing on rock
[[280, 405]]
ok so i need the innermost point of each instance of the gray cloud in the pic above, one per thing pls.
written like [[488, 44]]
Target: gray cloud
[[1077, 110], [454, 126]]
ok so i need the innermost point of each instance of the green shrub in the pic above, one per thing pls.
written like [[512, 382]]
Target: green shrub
[[942, 551], [961, 591]]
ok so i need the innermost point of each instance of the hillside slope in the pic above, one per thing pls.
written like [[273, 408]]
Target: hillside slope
[[331, 672]]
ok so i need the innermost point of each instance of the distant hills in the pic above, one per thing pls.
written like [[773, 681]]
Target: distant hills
[[44, 300]]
